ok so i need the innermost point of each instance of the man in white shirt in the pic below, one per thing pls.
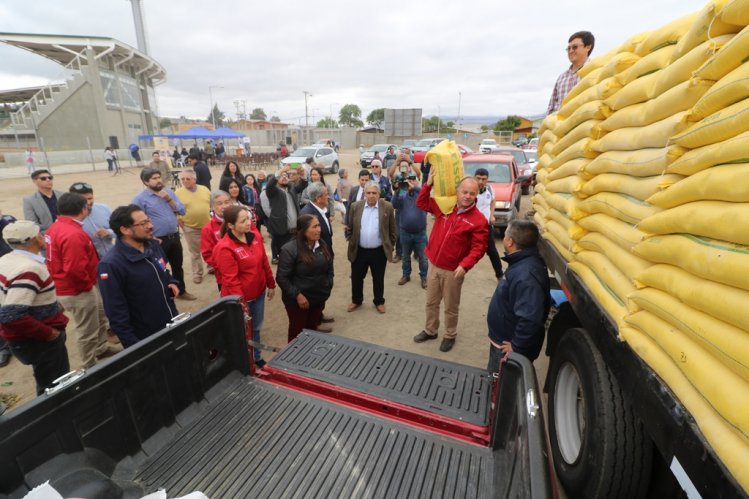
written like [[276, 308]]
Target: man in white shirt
[[485, 204]]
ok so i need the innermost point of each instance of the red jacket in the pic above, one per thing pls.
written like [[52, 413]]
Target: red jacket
[[457, 239], [70, 256], [244, 268], [210, 235]]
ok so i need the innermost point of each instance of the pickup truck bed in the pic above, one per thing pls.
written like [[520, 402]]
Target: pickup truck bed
[[327, 417]]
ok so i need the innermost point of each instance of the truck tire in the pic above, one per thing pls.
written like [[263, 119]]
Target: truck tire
[[599, 446]]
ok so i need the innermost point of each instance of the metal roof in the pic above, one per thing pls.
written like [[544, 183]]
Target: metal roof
[[20, 95], [64, 48]]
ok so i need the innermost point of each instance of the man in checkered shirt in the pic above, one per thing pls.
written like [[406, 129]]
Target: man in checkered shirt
[[579, 47]]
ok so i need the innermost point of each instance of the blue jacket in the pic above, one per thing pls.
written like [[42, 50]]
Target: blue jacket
[[134, 289], [517, 312], [410, 218]]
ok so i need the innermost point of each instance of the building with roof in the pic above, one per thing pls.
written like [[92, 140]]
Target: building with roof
[[106, 97]]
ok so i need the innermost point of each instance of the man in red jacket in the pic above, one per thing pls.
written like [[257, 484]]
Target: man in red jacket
[[71, 260], [457, 242]]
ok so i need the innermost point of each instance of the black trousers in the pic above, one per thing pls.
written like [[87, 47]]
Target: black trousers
[[49, 359], [367, 259], [491, 250], [172, 248], [277, 241]]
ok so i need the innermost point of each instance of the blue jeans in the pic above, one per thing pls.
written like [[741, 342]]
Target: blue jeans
[[416, 242], [398, 243], [257, 311]]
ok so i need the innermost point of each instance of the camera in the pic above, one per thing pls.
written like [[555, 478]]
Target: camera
[[411, 177]]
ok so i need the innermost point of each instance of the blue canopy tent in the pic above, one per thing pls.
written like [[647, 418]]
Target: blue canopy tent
[[228, 133]]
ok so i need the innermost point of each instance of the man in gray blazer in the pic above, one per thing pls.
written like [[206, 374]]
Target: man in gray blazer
[[41, 207]]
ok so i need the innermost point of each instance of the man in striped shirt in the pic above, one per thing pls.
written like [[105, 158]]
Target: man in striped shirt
[[579, 47], [31, 318]]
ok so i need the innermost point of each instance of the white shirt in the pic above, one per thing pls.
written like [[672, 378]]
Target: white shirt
[[324, 213], [369, 237], [485, 202], [360, 194]]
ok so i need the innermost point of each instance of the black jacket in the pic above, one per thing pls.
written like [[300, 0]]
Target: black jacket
[[277, 222], [520, 305], [202, 174], [325, 233], [314, 281]]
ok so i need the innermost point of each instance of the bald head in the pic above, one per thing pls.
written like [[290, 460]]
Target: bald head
[[468, 189]]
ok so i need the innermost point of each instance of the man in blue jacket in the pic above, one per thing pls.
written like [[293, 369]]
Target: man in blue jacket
[[137, 289], [517, 312], [412, 226]]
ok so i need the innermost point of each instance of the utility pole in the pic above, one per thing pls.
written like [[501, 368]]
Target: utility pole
[[439, 119], [457, 122], [210, 96], [306, 113], [140, 30]]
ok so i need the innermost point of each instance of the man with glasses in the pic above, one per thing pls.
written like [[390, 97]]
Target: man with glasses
[[579, 47], [41, 207], [283, 198], [137, 289]]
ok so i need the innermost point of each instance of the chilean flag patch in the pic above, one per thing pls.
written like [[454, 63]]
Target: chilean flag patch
[[103, 277]]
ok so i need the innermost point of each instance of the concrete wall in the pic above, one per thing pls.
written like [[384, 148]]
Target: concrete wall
[[59, 158], [473, 139], [71, 122]]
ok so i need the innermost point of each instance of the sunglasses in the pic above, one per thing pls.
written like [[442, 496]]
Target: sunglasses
[[81, 185], [46, 177], [573, 47]]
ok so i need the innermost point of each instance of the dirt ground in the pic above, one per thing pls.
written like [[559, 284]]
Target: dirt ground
[[405, 304]]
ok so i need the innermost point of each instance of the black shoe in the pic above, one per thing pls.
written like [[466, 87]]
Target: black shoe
[[274, 261], [326, 319], [5, 358], [260, 364], [447, 344], [424, 336]]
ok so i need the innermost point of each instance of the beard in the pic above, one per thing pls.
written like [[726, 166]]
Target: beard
[[157, 187]]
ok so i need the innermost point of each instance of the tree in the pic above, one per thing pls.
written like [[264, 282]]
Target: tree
[[165, 123], [376, 117], [484, 128], [258, 114], [327, 123], [508, 124], [432, 124], [350, 115], [275, 119], [218, 115]]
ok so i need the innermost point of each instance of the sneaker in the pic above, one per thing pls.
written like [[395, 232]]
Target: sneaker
[[447, 344], [324, 328], [396, 259], [187, 296], [260, 364], [274, 261], [326, 319], [424, 336], [403, 280], [423, 284]]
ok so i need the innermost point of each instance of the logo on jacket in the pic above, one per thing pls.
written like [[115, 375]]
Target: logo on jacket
[[162, 264], [241, 253], [104, 276]]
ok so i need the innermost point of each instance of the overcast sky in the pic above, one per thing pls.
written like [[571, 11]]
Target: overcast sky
[[501, 57]]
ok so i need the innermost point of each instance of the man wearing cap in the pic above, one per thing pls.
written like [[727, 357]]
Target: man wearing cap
[[162, 206], [31, 319], [41, 207], [71, 260]]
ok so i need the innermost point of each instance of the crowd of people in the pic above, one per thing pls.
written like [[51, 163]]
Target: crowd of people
[[112, 278]]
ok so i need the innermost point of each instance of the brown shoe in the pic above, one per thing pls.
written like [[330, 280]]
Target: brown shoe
[[353, 306], [324, 328], [380, 308], [327, 319], [186, 296], [423, 284], [403, 280], [396, 259]]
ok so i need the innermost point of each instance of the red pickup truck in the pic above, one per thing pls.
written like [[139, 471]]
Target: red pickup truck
[[505, 181]]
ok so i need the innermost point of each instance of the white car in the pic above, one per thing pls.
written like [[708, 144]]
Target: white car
[[365, 159], [487, 145], [323, 155]]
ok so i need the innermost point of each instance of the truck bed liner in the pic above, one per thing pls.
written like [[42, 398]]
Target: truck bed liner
[[440, 387], [263, 441]]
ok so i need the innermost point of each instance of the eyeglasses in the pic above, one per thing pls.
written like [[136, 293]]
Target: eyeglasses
[[80, 185], [50, 177], [143, 223], [573, 47]]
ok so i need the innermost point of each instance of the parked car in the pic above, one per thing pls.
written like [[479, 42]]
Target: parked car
[[408, 143], [487, 145], [366, 157], [422, 146], [520, 141], [323, 155], [532, 144], [505, 180], [328, 143], [465, 150], [525, 166]]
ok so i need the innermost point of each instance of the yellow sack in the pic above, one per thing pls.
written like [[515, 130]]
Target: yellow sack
[[543, 162], [711, 259], [729, 57], [713, 219], [567, 184], [572, 167], [706, 373], [539, 200], [599, 91], [634, 41], [588, 80], [718, 183], [445, 158], [728, 343], [620, 206], [547, 137], [639, 163], [621, 233], [648, 64], [574, 231], [729, 444], [549, 123], [541, 178], [679, 98], [589, 111], [640, 90], [717, 127], [618, 63], [560, 233], [722, 302], [582, 131], [629, 139], [681, 69], [706, 26], [733, 150], [629, 264], [735, 12], [596, 63], [730, 89], [546, 149], [668, 34], [611, 277], [638, 187], [605, 296], [566, 254], [564, 202], [579, 149]]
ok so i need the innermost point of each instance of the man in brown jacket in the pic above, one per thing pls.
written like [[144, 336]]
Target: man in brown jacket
[[371, 238]]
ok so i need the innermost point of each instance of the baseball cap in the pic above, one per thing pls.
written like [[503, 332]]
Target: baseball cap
[[20, 231]]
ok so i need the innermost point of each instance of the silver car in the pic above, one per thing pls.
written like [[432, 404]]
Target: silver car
[[323, 155]]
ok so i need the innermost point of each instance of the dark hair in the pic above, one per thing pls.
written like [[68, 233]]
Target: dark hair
[[481, 171], [39, 172], [156, 152], [71, 204], [255, 183], [226, 184], [193, 156], [122, 216], [309, 160], [587, 38], [147, 173], [81, 188], [523, 232], [231, 213], [227, 173], [321, 172], [303, 222], [364, 173]]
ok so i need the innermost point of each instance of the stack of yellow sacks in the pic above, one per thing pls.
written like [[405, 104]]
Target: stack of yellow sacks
[[644, 189]]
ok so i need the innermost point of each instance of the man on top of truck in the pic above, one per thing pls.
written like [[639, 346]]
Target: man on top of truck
[[517, 312], [579, 47]]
